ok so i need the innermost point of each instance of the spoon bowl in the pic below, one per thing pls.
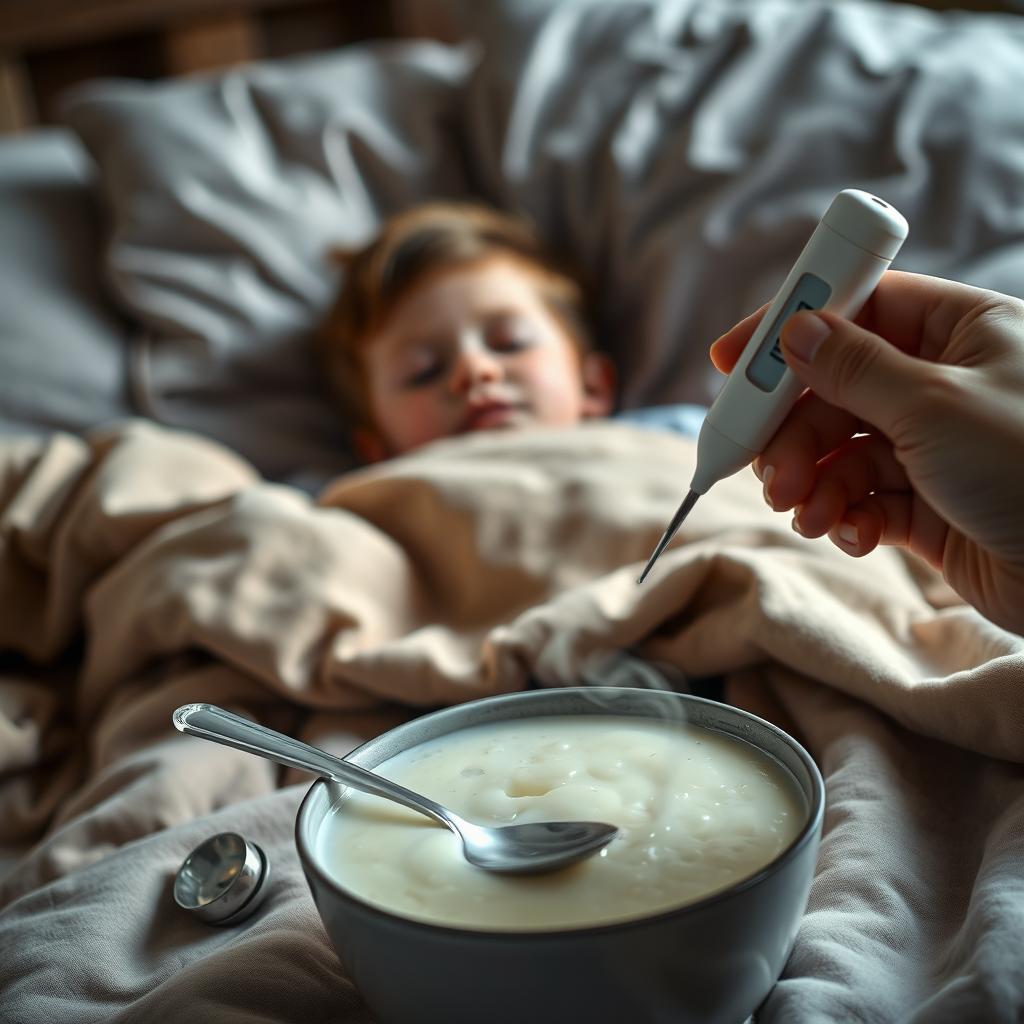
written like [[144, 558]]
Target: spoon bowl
[[531, 848]]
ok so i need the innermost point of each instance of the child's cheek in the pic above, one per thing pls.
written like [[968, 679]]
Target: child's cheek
[[424, 420], [558, 392]]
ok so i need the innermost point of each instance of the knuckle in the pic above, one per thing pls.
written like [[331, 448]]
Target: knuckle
[[941, 387], [999, 313], [937, 390]]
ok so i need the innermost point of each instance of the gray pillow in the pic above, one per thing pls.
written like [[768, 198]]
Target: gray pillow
[[680, 150], [63, 351], [684, 149], [225, 193]]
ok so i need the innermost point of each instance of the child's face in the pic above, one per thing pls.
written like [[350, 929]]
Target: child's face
[[475, 347]]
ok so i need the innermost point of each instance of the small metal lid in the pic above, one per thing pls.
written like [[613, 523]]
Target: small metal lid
[[223, 880]]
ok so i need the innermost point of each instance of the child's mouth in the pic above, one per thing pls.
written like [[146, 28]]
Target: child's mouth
[[491, 416]]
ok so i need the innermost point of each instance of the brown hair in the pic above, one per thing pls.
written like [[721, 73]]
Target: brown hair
[[410, 246]]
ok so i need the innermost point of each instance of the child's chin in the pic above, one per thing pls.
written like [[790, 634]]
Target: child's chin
[[493, 427]]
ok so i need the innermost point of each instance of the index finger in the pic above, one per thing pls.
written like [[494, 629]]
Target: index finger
[[919, 314], [916, 313]]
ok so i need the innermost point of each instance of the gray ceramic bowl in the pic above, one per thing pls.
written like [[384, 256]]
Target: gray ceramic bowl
[[710, 961]]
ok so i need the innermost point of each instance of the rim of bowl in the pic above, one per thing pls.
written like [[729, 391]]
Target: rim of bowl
[[803, 837]]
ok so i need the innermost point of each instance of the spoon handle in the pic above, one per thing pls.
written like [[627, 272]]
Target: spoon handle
[[212, 723]]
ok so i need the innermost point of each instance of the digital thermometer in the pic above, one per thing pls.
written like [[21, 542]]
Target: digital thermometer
[[840, 265]]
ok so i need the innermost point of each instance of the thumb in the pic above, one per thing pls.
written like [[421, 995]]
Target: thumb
[[850, 367]]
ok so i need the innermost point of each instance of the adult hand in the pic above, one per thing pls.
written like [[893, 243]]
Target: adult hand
[[911, 432]]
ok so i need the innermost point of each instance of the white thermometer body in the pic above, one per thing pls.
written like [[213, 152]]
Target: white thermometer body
[[843, 261]]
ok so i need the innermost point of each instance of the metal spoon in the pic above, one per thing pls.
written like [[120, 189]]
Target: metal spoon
[[511, 849]]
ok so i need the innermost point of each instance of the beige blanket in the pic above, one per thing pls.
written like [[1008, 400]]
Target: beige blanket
[[147, 569]]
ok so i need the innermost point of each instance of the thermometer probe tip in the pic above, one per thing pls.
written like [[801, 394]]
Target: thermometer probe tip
[[677, 520]]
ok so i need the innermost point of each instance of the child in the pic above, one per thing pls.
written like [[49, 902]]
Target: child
[[454, 320]]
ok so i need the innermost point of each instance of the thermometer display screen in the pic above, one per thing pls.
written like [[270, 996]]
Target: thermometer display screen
[[768, 365]]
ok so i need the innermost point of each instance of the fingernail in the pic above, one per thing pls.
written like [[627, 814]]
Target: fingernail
[[766, 478], [848, 534], [796, 527], [802, 336]]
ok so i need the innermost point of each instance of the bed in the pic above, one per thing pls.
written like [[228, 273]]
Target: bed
[[181, 519]]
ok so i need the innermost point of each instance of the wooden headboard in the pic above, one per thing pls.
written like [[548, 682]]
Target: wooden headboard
[[48, 45]]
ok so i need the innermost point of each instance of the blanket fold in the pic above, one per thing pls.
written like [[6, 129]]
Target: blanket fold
[[143, 569]]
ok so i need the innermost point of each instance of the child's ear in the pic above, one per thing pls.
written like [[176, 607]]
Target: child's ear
[[598, 375], [369, 445]]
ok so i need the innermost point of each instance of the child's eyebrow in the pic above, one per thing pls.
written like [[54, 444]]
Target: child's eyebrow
[[431, 337], [428, 338], [429, 334], [503, 313]]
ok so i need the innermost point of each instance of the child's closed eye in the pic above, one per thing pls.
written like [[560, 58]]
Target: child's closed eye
[[510, 334], [422, 367], [424, 376]]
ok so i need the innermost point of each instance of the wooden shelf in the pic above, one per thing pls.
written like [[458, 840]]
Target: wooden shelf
[[47, 24], [46, 46]]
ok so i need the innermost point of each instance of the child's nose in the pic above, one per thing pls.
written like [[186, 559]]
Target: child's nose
[[473, 366]]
